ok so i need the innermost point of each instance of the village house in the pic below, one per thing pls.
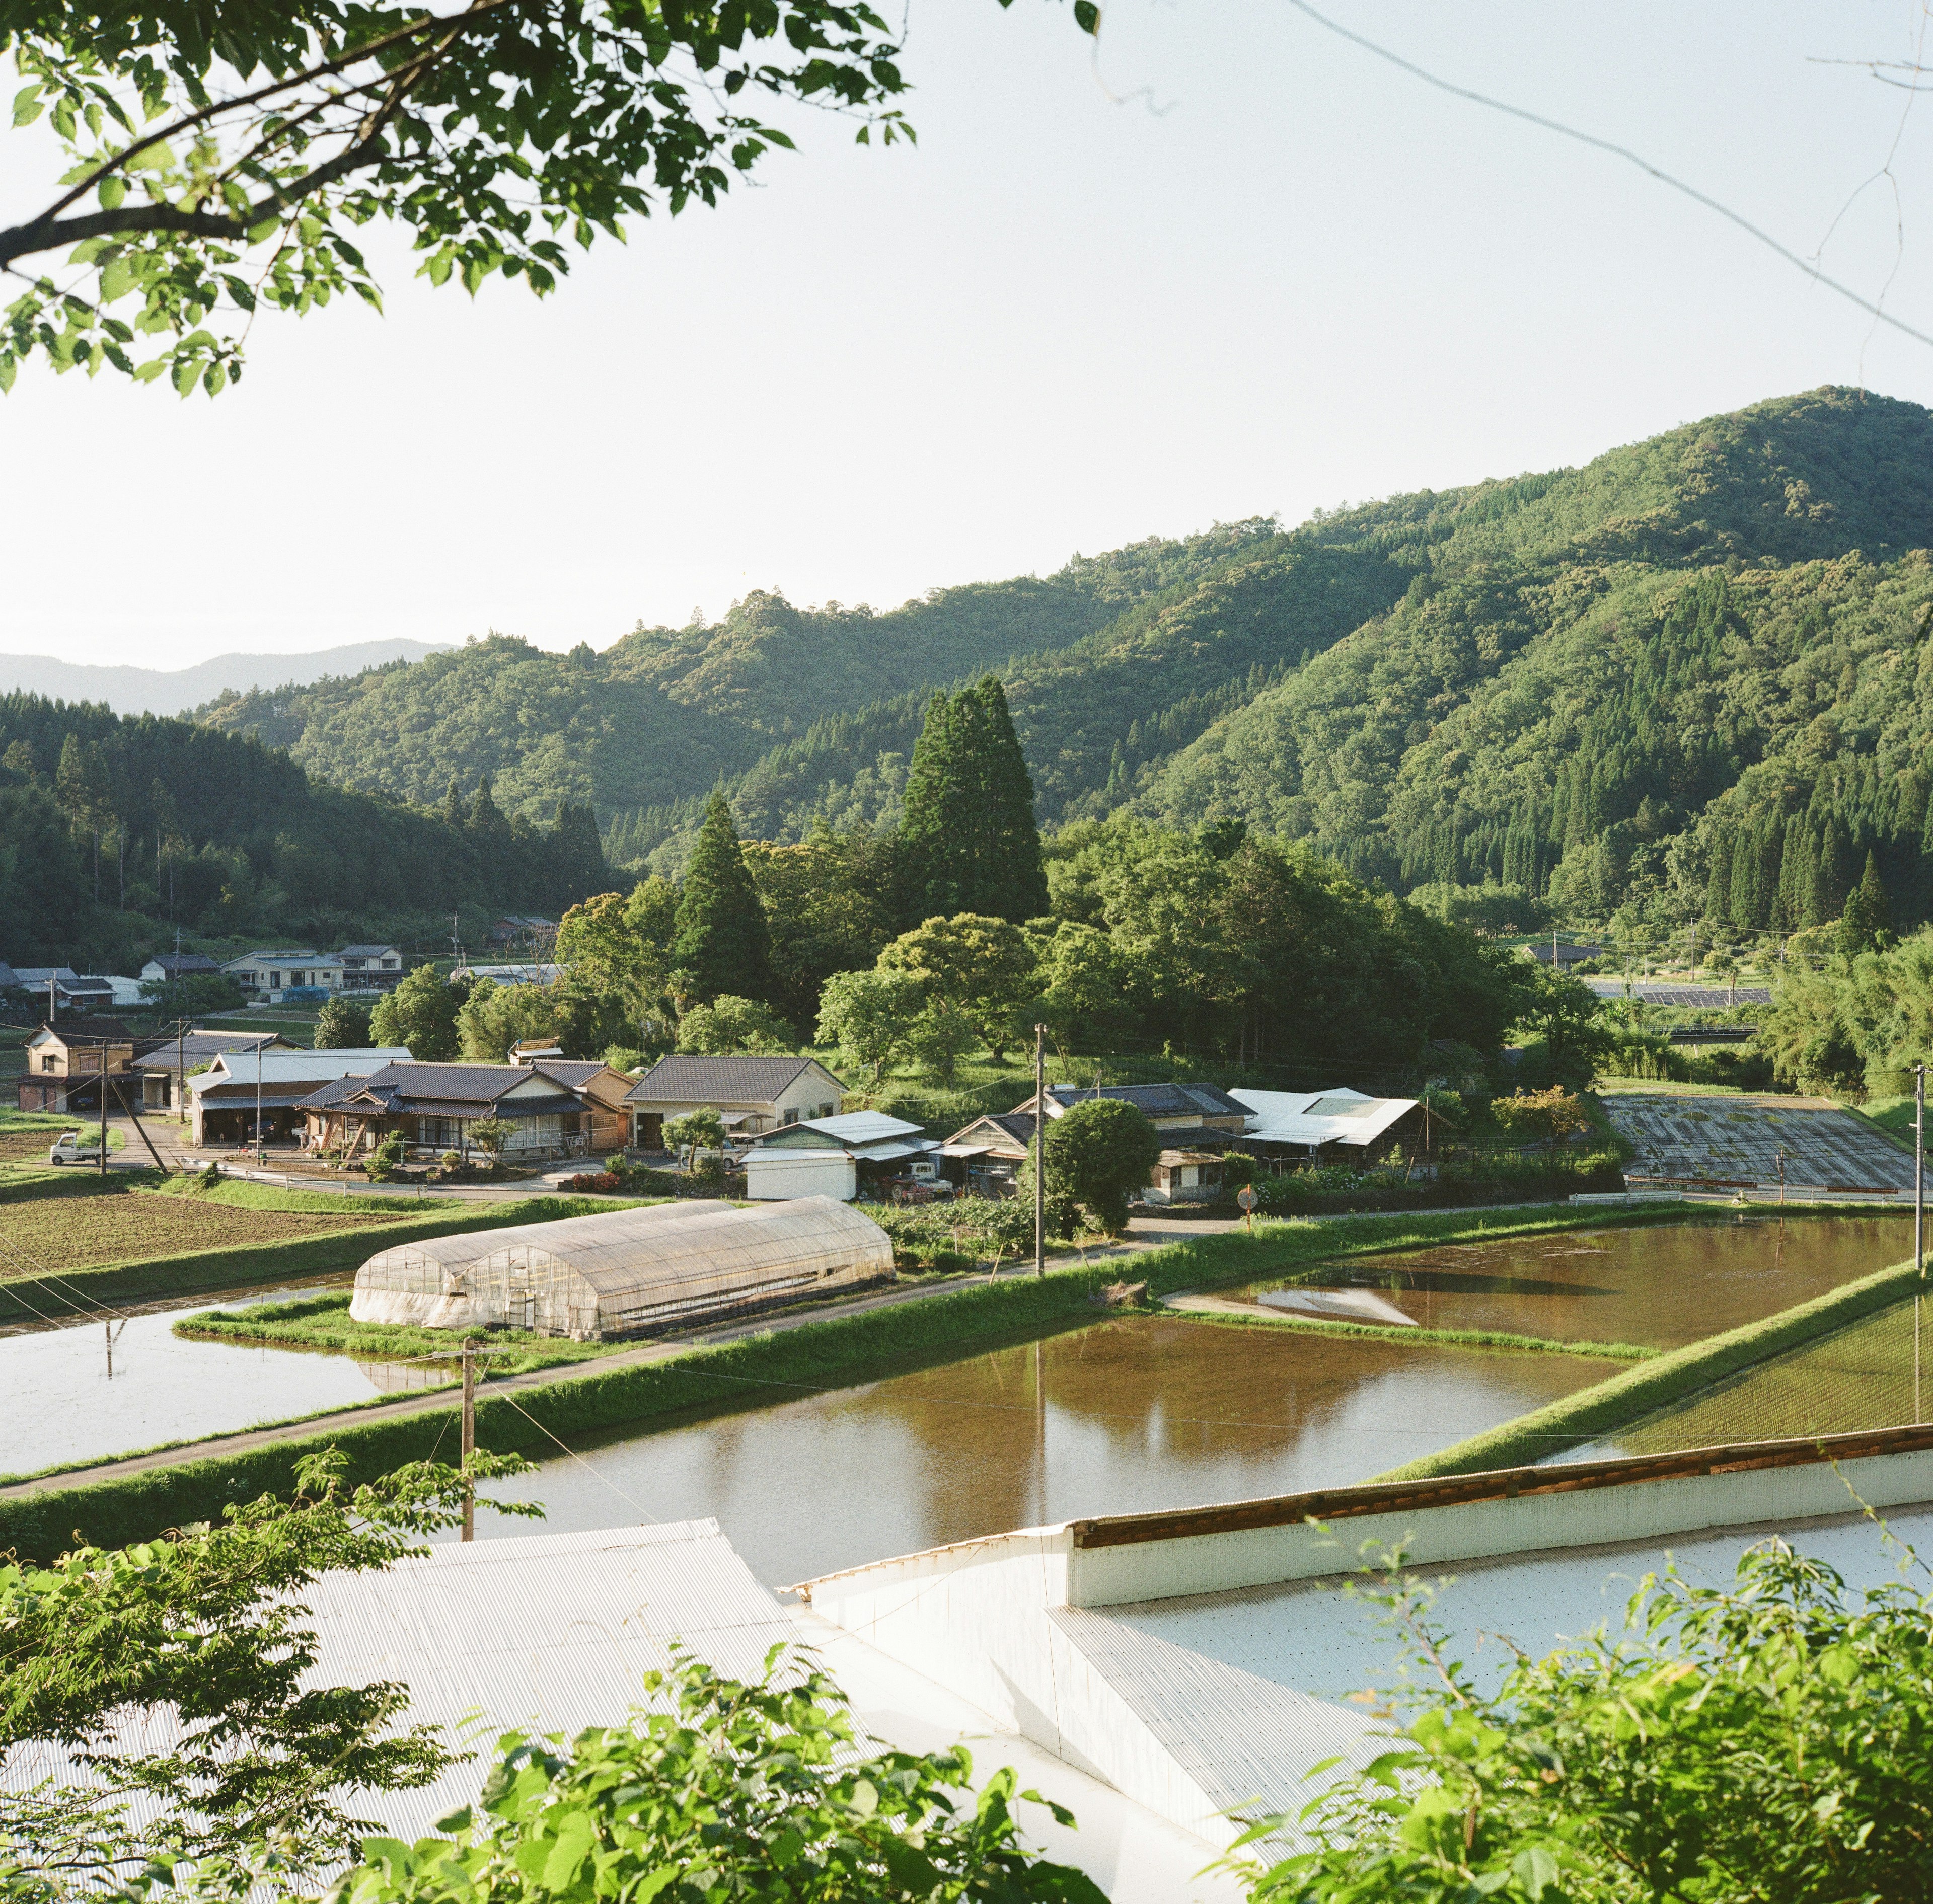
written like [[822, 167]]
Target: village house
[[433, 1106], [60, 988], [256, 1096], [370, 968], [164, 1064], [831, 1156], [607, 1118], [750, 1095], [169, 965], [268, 975], [66, 1061], [1196, 1122]]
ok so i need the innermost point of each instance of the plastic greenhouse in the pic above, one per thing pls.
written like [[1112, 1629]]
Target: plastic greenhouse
[[623, 1272]]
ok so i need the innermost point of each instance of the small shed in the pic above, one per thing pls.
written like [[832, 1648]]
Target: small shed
[[625, 1272], [773, 1175]]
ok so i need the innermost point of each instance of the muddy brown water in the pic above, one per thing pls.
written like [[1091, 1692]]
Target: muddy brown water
[[1123, 1416], [1660, 1287]]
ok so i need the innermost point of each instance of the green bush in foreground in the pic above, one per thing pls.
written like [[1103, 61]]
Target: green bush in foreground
[[734, 1795], [1770, 1739]]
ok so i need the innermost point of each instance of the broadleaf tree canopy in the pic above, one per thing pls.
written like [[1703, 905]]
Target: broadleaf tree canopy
[[220, 157]]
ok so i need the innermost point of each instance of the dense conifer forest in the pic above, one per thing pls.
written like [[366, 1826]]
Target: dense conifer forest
[[1688, 682]]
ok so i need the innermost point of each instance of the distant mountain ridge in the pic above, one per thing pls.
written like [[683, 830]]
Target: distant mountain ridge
[[1681, 669], [180, 690]]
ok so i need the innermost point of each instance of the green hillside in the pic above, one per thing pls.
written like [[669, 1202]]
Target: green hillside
[[661, 714], [1649, 682]]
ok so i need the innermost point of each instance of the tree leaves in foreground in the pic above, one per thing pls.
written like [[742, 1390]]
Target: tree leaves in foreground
[[739, 1792], [1769, 1740], [219, 158], [164, 1680]]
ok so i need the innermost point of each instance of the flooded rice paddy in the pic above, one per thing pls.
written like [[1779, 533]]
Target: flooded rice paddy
[[1659, 1287], [1130, 1414], [1119, 1417], [93, 1389]]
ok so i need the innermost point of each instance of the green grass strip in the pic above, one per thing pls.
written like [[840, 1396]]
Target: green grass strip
[[249, 1264], [324, 1322], [1458, 1338], [1624, 1398], [835, 1353]]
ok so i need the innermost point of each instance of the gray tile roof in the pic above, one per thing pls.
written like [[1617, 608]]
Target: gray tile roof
[[682, 1079], [441, 1090], [198, 1047], [1159, 1100]]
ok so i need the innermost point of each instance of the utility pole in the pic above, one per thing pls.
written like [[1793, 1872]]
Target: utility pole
[[1919, 1216], [469, 1439], [261, 1153], [1039, 1150], [101, 1082]]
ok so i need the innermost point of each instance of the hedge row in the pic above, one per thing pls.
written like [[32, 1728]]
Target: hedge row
[[1624, 1398]]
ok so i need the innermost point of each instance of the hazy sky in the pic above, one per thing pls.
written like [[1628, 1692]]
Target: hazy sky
[[1236, 265]]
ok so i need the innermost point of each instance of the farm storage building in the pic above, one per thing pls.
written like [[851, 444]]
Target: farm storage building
[[623, 1272]]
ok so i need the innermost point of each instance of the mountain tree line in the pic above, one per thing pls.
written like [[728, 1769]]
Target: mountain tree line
[[118, 830]]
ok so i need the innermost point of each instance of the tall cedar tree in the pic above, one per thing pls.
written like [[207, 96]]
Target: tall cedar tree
[[970, 840], [721, 939]]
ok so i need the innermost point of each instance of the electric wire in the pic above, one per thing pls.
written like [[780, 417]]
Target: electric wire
[[1810, 267]]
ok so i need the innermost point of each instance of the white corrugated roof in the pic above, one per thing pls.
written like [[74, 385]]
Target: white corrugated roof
[[1321, 1117], [1248, 1690], [547, 1632], [864, 1127], [298, 1067]]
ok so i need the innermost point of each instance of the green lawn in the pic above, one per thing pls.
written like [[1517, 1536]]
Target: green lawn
[[323, 1322]]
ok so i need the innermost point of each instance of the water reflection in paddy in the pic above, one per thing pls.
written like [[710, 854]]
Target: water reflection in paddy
[[93, 1389], [1661, 1286], [1128, 1415]]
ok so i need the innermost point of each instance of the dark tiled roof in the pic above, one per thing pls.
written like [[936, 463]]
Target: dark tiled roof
[[1018, 1125], [1160, 1100], [442, 1090], [92, 1030], [185, 961], [680, 1080], [366, 951], [159, 1054]]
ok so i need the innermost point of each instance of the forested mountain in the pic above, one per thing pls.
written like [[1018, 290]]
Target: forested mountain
[[657, 717], [113, 832], [1609, 686], [1693, 679]]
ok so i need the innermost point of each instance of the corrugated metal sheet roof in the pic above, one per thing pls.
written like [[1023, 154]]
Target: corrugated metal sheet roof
[[235, 1069], [682, 1078], [1249, 1690], [547, 1632], [1321, 1117]]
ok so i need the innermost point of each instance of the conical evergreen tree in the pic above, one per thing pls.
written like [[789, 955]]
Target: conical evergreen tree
[[1867, 913], [453, 804], [719, 939], [968, 837], [1718, 886]]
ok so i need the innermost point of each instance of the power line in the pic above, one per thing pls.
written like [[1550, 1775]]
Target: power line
[[1811, 268]]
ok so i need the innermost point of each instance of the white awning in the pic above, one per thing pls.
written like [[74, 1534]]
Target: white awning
[[884, 1153], [964, 1150]]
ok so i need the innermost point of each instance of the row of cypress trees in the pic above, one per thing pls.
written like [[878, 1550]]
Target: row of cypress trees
[[968, 843]]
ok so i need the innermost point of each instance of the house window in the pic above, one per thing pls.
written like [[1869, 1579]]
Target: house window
[[791, 1117], [48, 1064]]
